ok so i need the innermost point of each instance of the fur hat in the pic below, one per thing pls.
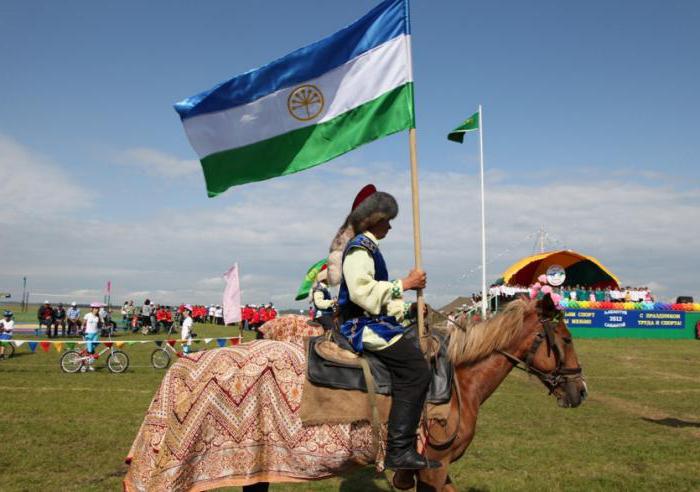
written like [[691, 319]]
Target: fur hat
[[369, 207]]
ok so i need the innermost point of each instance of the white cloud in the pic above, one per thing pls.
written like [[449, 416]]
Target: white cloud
[[157, 163], [276, 229], [32, 187]]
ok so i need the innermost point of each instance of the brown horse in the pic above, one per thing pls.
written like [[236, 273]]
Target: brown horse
[[531, 336], [215, 450]]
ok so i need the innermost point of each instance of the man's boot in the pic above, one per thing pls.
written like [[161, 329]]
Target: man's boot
[[401, 451]]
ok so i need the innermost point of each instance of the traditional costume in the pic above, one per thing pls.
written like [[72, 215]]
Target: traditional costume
[[373, 316], [322, 301]]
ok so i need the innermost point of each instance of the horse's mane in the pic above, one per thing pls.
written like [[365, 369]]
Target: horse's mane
[[470, 343]]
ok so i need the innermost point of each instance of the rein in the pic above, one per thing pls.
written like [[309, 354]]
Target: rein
[[560, 375]]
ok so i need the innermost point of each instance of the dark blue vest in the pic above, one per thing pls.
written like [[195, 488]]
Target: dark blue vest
[[347, 308]]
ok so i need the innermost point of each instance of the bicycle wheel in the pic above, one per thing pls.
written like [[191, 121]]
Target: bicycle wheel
[[72, 361], [118, 361], [160, 358]]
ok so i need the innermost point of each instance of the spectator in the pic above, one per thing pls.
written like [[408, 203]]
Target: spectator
[[73, 316], [59, 319], [45, 316], [212, 314], [219, 314], [148, 315], [164, 318], [128, 311]]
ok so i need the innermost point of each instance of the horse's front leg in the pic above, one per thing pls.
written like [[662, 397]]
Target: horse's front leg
[[434, 480]]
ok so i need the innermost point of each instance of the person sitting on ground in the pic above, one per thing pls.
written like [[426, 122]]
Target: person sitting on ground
[[91, 331], [186, 331], [372, 310], [45, 316], [73, 318], [7, 326]]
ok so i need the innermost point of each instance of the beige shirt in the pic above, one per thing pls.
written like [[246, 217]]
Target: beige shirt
[[319, 301], [374, 296]]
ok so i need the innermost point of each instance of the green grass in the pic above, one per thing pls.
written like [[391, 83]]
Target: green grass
[[639, 430]]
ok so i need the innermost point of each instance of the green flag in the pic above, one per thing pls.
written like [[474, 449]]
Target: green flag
[[471, 124], [308, 281]]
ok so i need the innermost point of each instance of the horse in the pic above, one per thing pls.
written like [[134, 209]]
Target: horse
[[216, 450]]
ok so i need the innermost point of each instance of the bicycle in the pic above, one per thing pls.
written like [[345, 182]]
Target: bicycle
[[79, 360], [160, 357]]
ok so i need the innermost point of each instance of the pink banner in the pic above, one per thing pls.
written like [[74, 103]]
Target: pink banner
[[232, 296]]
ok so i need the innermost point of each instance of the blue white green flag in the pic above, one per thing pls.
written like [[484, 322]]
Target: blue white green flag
[[307, 107]]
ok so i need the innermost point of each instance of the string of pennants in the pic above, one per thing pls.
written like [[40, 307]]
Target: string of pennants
[[45, 345]]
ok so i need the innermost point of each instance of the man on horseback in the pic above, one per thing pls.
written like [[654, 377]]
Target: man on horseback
[[374, 317]]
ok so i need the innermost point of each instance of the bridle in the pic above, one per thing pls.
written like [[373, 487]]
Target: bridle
[[561, 375]]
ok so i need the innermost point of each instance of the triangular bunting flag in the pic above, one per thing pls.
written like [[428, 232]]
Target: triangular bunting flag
[[207, 341], [70, 345], [171, 342], [45, 346], [18, 343], [59, 346], [108, 344], [233, 341], [197, 341], [159, 342], [32, 346], [221, 342], [131, 342], [119, 344]]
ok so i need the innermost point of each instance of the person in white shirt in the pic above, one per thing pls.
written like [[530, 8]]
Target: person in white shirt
[[186, 333], [7, 325], [219, 315], [91, 330], [212, 314]]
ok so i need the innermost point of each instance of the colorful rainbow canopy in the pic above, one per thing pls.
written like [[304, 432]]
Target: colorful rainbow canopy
[[580, 270]]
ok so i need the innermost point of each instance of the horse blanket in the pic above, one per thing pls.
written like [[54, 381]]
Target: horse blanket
[[230, 417]]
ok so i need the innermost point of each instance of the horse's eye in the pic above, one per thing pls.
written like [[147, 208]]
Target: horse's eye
[[567, 340]]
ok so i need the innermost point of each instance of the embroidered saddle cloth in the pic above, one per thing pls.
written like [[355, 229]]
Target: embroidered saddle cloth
[[333, 364]]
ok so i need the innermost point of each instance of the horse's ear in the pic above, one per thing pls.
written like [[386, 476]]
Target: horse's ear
[[547, 306]]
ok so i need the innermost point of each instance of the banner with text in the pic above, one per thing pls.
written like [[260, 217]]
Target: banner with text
[[633, 319]]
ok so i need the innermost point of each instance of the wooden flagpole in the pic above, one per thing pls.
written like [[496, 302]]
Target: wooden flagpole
[[416, 226]]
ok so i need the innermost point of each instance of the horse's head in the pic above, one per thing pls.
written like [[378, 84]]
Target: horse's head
[[551, 355]]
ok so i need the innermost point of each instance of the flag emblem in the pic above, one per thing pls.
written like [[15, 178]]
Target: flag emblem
[[305, 102]]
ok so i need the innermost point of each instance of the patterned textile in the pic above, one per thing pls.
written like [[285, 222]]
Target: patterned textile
[[290, 328], [230, 417]]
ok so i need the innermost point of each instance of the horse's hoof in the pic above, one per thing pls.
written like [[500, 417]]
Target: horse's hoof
[[403, 480]]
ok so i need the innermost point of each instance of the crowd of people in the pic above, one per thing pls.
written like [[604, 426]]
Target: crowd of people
[[52, 318], [253, 315], [579, 293]]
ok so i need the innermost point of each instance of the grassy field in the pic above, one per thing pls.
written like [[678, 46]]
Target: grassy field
[[640, 428]]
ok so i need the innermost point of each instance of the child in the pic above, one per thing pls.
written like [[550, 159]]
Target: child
[[6, 326], [186, 334], [91, 329]]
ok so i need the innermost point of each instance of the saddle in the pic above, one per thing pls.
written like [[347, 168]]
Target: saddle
[[332, 363]]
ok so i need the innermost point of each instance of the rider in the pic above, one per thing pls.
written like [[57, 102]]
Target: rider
[[372, 310], [91, 330], [7, 325], [322, 301]]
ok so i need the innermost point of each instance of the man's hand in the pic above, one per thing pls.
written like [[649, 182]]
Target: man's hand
[[415, 280]]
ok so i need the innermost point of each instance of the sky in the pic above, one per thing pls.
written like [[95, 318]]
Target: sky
[[590, 132]]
